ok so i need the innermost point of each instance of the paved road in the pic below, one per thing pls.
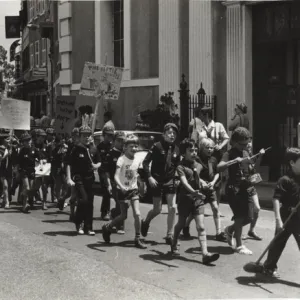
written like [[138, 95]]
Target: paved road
[[43, 258]]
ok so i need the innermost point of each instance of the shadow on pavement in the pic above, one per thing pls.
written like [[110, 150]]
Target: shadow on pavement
[[224, 250], [162, 258], [11, 211], [64, 233], [54, 213], [124, 244], [255, 280], [56, 221]]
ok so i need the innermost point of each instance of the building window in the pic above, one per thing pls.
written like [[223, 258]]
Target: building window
[[118, 11], [31, 55], [31, 9], [37, 53], [44, 52]]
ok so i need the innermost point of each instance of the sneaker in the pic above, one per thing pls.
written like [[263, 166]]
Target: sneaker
[[229, 237], [186, 233], [79, 229], [91, 232], [26, 208], [6, 205], [106, 233], [175, 250], [105, 217], [45, 207], [243, 250], [254, 235], [139, 244], [271, 273], [210, 257], [169, 240], [120, 231], [60, 204], [221, 237], [144, 228]]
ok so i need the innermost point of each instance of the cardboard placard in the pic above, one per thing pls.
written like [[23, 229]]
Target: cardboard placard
[[15, 114], [101, 80], [65, 114]]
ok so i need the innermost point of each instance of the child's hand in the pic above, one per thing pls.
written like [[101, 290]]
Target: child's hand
[[152, 182], [262, 152], [70, 182], [239, 159], [124, 189], [211, 185]]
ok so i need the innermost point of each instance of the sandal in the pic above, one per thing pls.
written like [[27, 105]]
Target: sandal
[[243, 250]]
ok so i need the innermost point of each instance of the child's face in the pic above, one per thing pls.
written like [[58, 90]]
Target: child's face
[[170, 135], [108, 137], [131, 149], [84, 138], [241, 145], [191, 154], [119, 143], [207, 149], [249, 147], [295, 165], [27, 143]]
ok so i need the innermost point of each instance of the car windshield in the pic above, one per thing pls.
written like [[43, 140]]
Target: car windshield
[[146, 139]]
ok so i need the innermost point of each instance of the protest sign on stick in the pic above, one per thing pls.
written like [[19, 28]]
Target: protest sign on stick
[[15, 114], [106, 79], [65, 114]]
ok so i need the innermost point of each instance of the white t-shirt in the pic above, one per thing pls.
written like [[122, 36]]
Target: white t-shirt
[[128, 171]]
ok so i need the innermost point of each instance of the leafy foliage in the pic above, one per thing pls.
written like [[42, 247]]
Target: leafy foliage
[[165, 112], [6, 68]]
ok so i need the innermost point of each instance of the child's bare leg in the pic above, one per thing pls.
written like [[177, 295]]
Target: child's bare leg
[[177, 229], [252, 232], [171, 200], [155, 211], [120, 218], [137, 217], [215, 209], [199, 219]]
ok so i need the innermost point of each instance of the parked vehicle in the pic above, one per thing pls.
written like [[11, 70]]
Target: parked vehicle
[[146, 141]]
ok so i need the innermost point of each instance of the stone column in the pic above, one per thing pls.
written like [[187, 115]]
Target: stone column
[[65, 45], [169, 47], [239, 57], [200, 46]]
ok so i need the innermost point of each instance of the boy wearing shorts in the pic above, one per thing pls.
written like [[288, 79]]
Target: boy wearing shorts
[[126, 178], [286, 197], [239, 190], [191, 199], [165, 158]]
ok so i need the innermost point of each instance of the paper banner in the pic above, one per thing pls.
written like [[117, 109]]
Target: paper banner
[[15, 114], [101, 79], [65, 114]]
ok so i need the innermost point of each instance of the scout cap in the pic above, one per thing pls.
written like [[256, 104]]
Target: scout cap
[[85, 129], [25, 137], [108, 130], [50, 131], [40, 132], [120, 135], [170, 125]]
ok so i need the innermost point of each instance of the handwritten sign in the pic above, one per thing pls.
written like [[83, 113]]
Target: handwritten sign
[[101, 79], [15, 114], [65, 114]]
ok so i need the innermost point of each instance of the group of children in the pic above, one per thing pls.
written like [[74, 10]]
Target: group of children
[[186, 176]]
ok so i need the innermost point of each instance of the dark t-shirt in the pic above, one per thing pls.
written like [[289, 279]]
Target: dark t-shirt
[[209, 168], [239, 171], [27, 159], [186, 168], [287, 191], [103, 149], [80, 162], [110, 162]]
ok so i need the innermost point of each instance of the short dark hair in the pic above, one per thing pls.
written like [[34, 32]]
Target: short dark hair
[[185, 144], [291, 154], [240, 134]]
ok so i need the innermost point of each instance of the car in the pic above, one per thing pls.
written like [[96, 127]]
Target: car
[[146, 141]]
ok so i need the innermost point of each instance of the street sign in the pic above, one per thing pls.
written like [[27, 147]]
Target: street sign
[[12, 27]]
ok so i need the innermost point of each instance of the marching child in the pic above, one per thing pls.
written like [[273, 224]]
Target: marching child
[[239, 189], [254, 163], [80, 173], [165, 158], [191, 199], [28, 157], [103, 148], [209, 174], [127, 178], [286, 197], [110, 165]]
